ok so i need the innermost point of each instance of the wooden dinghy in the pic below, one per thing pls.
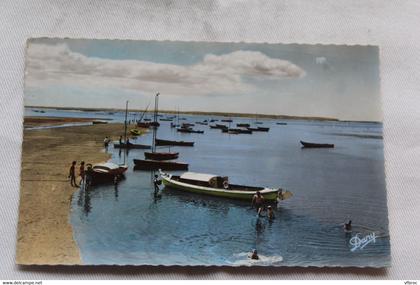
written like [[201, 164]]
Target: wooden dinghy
[[214, 185], [316, 145]]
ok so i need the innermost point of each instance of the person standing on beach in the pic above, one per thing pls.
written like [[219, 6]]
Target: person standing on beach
[[72, 174], [120, 141], [82, 172]]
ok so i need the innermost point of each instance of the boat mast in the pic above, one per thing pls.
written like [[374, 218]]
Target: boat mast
[[125, 127], [155, 115]]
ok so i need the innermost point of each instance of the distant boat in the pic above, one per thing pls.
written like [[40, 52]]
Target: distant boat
[[147, 164], [237, 131], [316, 145], [215, 185], [166, 119], [160, 142], [226, 120], [188, 130], [131, 146], [213, 120], [144, 125], [158, 160], [187, 125], [135, 132], [105, 172], [218, 126], [147, 119], [202, 123], [259, 123], [243, 125], [281, 123], [99, 122], [259, 129], [161, 155]]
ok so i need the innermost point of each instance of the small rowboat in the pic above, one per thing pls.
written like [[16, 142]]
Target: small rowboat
[[135, 132], [160, 142], [242, 125], [131, 146], [316, 145], [105, 172], [214, 185]]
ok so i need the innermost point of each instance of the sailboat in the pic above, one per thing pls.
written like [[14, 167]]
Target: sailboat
[[126, 144], [158, 160]]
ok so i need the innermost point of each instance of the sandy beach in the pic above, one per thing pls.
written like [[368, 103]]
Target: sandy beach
[[45, 235]]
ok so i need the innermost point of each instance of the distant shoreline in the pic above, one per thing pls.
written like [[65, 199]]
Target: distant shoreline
[[208, 113]]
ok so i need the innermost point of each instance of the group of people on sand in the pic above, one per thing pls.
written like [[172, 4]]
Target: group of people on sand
[[72, 173], [259, 203]]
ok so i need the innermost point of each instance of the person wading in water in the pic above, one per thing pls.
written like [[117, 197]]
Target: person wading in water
[[258, 201]]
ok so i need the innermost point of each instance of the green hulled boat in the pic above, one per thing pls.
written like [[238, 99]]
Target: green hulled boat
[[214, 185]]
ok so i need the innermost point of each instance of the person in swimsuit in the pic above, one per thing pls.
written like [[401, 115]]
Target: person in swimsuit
[[72, 174], [254, 255], [82, 172], [347, 226], [258, 201]]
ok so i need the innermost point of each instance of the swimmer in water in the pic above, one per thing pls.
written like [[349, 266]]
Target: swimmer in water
[[347, 226], [254, 255]]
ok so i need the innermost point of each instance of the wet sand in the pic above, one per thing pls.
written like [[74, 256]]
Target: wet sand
[[34, 121], [45, 235]]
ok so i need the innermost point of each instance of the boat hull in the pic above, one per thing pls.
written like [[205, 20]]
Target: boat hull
[[146, 164], [268, 194], [161, 155], [132, 146], [160, 142], [316, 145]]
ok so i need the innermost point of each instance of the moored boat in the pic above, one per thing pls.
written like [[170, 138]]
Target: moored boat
[[243, 125], [281, 123], [99, 122], [259, 129], [149, 164], [215, 185], [160, 142], [226, 120], [105, 172], [131, 146], [237, 131], [161, 155], [316, 145], [135, 132], [189, 130]]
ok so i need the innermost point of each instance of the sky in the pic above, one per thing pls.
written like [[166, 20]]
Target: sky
[[282, 79]]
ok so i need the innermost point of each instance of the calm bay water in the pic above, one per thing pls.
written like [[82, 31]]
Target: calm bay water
[[127, 225]]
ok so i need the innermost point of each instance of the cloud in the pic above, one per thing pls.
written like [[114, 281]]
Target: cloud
[[215, 74]]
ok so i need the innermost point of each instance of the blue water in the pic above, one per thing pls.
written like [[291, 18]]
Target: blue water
[[127, 225]]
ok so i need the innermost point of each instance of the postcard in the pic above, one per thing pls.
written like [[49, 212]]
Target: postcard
[[202, 153]]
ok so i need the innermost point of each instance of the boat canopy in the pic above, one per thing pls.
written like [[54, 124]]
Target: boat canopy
[[108, 165], [198, 176]]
